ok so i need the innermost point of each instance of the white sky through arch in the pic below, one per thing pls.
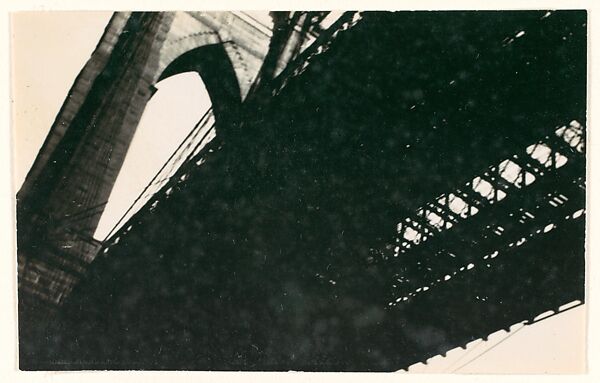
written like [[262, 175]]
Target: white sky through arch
[[170, 115]]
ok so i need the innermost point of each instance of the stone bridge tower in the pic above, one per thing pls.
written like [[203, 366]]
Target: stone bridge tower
[[64, 194]]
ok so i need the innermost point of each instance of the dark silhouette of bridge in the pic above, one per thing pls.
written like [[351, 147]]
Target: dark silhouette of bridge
[[377, 192]]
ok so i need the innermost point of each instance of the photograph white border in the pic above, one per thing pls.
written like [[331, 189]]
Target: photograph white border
[[8, 325]]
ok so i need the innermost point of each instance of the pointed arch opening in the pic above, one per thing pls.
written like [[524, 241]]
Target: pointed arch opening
[[195, 86], [171, 113]]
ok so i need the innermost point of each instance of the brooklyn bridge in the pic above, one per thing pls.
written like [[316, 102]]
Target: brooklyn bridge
[[368, 190]]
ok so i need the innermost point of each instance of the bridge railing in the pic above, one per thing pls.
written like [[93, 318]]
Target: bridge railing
[[319, 45], [533, 171]]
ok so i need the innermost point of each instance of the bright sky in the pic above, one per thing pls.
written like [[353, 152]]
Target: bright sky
[[50, 48]]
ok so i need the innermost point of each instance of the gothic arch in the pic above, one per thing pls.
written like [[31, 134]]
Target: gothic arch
[[214, 67], [75, 171]]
